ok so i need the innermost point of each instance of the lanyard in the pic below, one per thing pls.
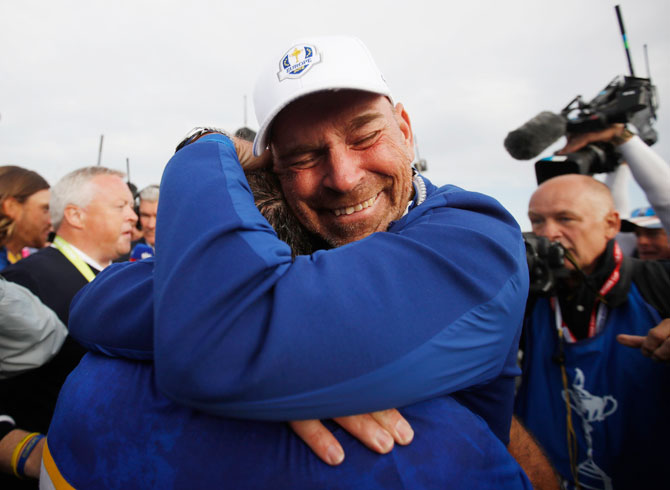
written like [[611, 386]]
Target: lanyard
[[70, 254], [599, 311], [13, 258]]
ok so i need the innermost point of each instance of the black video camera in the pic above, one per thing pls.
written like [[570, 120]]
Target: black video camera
[[625, 100], [545, 263]]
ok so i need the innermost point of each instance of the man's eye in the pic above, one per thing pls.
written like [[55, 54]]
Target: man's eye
[[367, 139], [303, 163]]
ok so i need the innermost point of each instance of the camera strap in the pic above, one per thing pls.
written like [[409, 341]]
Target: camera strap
[[596, 325], [600, 309]]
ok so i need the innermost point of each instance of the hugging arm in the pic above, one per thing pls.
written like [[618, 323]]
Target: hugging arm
[[242, 329]]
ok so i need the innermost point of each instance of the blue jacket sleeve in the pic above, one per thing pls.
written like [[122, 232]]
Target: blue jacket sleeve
[[113, 314], [430, 307]]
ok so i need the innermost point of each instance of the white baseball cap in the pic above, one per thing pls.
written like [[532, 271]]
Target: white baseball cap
[[312, 65], [643, 218]]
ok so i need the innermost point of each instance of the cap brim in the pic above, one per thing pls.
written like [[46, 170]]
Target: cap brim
[[650, 222], [261, 140]]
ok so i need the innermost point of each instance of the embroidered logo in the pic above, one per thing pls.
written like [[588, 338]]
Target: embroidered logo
[[297, 61], [591, 408]]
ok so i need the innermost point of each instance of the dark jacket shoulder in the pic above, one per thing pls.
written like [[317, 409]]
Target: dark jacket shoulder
[[50, 276], [652, 277]]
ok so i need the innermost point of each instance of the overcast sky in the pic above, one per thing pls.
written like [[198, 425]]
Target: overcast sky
[[143, 73]]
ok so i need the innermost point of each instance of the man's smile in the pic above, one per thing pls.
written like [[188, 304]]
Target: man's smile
[[356, 207]]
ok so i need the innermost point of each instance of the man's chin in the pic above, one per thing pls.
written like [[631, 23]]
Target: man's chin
[[123, 248], [38, 244], [347, 234]]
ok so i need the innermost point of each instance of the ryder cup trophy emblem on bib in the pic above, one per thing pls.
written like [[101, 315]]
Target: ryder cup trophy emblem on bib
[[297, 61]]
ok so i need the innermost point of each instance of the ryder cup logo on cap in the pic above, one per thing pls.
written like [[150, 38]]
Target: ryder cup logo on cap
[[312, 65], [297, 61]]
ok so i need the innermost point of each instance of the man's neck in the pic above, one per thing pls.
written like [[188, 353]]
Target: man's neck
[[84, 245], [578, 293], [14, 246]]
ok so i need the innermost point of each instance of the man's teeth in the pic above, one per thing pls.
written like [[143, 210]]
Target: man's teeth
[[353, 209]]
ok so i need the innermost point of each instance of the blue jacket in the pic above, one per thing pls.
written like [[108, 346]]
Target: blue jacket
[[433, 306], [237, 328], [113, 429]]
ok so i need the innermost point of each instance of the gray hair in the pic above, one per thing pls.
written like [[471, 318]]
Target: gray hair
[[149, 193], [75, 188]]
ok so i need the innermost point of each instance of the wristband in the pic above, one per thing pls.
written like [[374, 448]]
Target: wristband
[[195, 134], [22, 452], [25, 454]]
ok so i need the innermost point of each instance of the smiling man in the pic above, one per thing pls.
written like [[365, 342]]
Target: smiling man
[[344, 172], [417, 303], [651, 237], [581, 390]]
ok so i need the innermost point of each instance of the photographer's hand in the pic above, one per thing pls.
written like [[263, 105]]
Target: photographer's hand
[[616, 134]]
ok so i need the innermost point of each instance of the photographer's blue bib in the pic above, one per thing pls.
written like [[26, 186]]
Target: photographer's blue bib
[[619, 399]]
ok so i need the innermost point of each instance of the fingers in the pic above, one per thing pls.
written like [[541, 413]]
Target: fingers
[[378, 431], [367, 430], [320, 440], [577, 141], [657, 342], [662, 353], [395, 424], [634, 341], [245, 155]]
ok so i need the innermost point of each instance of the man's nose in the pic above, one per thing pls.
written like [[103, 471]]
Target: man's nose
[[131, 216], [549, 229], [643, 239], [343, 172]]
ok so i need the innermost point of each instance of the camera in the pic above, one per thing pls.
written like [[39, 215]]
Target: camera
[[624, 100], [545, 263]]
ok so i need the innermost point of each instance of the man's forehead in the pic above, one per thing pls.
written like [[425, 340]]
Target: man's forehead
[[348, 109], [574, 205], [109, 186], [148, 206], [553, 200]]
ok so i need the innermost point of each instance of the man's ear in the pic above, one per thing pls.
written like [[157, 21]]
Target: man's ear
[[402, 118], [74, 216], [613, 224], [11, 208]]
